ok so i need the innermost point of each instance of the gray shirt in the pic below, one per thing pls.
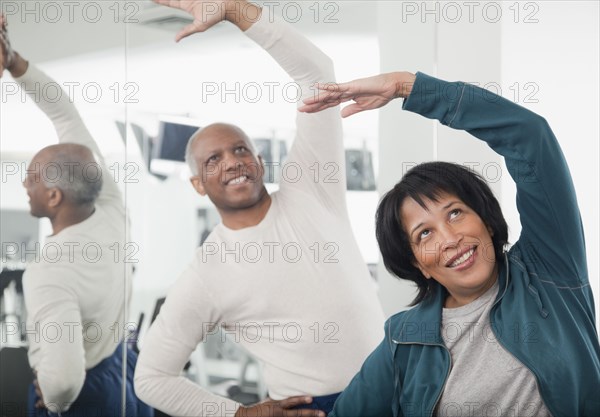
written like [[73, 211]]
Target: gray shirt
[[485, 379]]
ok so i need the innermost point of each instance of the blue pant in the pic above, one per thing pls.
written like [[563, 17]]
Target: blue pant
[[101, 392], [324, 403]]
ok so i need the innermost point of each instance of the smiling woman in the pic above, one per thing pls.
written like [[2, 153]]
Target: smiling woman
[[442, 228], [446, 211], [450, 242]]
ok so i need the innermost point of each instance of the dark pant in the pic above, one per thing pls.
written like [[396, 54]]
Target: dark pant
[[101, 392], [324, 403]]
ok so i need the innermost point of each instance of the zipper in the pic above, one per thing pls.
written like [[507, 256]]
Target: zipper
[[448, 351], [445, 380], [447, 372], [537, 379]]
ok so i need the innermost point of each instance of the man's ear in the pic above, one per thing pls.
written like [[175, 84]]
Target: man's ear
[[55, 197], [196, 181], [261, 166]]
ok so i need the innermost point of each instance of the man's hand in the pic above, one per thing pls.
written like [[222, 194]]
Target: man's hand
[[208, 13], [367, 93], [40, 402], [281, 408], [7, 57]]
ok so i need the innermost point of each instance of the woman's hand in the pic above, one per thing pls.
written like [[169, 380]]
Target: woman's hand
[[367, 93]]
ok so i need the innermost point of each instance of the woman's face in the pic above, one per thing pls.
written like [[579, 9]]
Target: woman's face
[[452, 245]]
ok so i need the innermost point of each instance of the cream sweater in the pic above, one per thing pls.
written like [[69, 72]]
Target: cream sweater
[[75, 290]]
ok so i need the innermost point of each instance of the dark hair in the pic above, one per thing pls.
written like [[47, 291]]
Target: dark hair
[[428, 181]]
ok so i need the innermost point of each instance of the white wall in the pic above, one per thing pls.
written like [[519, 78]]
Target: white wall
[[555, 63], [403, 139]]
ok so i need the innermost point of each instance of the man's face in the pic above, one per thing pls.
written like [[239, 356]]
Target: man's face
[[228, 170], [35, 187]]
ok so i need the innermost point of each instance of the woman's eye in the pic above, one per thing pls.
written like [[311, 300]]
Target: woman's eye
[[455, 213], [424, 233]]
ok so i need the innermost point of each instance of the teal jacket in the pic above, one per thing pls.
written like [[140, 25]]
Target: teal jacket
[[544, 312]]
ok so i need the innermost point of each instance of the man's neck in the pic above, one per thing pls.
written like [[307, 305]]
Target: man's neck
[[70, 217], [243, 218]]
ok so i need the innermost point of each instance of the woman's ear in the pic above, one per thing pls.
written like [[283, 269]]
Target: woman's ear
[[423, 271]]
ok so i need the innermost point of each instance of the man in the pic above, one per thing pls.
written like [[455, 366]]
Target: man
[[75, 289], [282, 273]]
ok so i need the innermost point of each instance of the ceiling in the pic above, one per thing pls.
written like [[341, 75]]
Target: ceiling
[[47, 31]]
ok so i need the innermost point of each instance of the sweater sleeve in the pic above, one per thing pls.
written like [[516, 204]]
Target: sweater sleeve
[[371, 391], [54, 308], [68, 124], [181, 325], [551, 224], [316, 162]]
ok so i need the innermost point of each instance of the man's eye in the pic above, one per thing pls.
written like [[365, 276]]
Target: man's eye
[[240, 149]]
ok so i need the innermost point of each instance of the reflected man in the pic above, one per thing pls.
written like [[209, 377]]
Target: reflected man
[[75, 291]]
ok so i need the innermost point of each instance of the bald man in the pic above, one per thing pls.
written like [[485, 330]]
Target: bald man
[[64, 197], [75, 289], [227, 169], [282, 273]]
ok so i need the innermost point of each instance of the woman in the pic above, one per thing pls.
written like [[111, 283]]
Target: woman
[[492, 332]]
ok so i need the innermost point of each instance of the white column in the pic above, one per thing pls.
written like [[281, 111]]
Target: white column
[[450, 43]]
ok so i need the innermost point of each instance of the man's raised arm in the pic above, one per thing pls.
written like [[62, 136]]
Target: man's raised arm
[[62, 112], [318, 143]]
